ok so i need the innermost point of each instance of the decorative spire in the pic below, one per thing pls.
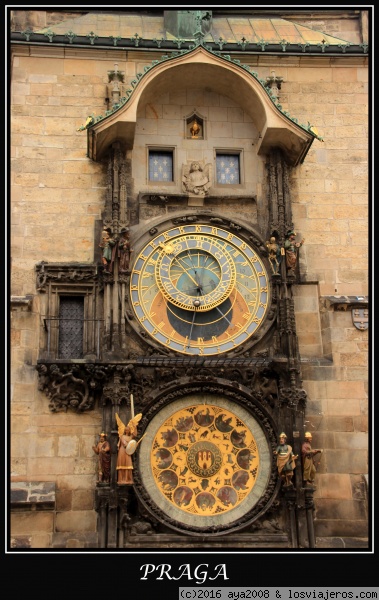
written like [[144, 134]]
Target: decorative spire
[[199, 35]]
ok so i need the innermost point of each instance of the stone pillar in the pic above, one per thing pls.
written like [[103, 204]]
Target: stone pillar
[[290, 500], [309, 510]]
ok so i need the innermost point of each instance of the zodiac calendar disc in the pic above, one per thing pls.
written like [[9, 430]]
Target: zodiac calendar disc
[[206, 461]]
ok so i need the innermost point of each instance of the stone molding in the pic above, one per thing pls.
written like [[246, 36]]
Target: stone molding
[[32, 495], [22, 302], [343, 302]]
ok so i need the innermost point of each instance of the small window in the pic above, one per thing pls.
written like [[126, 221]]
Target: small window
[[228, 168], [160, 166], [71, 317]]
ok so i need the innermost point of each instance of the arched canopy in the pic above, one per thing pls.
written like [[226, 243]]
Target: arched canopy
[[202, 68]]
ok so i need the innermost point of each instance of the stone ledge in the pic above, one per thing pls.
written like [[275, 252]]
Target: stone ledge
[[164, 198], [246, 541], [32, 495], [343, 302], [22, 302]]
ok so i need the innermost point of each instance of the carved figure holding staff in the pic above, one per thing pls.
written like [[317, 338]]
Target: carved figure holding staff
[[103, 450], [124, 250], [285, 460], [291, 248], [309, 467]]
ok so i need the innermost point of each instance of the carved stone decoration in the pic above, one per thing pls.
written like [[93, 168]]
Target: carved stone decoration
[[115, 214], [279, 194], [112, 504], [125, 517], [115, 394], [293, 397], [264, 382], [69, 273], [188, 219], [102, 499], [269, 523], [274, 83], [259, 244], [71, 386], [120, 385], [141, 527], [197, 178]]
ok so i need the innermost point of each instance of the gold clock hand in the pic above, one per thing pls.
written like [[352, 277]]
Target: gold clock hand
[[194, 268]]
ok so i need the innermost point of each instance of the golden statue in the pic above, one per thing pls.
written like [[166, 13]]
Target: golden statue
[[195, 129], [90, 121], [126, 447]]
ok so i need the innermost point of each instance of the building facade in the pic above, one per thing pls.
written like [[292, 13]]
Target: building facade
[[189, 259]]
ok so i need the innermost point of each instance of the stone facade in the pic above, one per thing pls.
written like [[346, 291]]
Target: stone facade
[[57, 203]]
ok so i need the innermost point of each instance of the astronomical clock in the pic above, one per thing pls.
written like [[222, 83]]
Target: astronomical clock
[[199, 290], [205, 462]]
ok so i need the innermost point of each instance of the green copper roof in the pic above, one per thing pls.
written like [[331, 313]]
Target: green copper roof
[[229, 29]]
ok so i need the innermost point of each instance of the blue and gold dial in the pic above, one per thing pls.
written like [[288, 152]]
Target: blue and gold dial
[[195, 273], [199, 290]]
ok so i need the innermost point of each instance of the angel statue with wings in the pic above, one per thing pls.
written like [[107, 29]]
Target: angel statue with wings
[[126, 447], [197, 179]]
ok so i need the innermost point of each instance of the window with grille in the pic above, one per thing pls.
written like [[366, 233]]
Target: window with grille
[[228, 168], [161, 165], [71, 318]]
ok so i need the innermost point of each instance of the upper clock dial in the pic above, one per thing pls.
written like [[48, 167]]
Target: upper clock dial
[[198, 289], [195, 273]]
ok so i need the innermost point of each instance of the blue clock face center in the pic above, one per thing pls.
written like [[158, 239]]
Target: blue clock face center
[[195, 273]]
